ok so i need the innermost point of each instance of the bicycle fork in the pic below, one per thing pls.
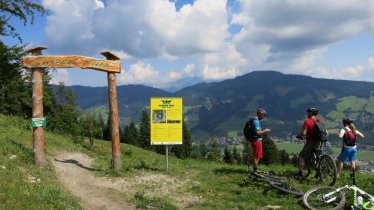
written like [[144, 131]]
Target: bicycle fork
[[326, 198]]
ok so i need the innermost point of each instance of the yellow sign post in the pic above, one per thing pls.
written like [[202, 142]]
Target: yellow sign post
[[166, 122]]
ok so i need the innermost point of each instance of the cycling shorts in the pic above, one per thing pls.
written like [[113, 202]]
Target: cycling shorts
[[257, 148], [348, 154], [307, 149]]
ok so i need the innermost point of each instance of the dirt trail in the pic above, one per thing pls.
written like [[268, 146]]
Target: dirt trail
[[74, 172]]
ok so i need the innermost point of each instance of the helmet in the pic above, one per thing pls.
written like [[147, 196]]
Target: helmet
[[314, 111], [347, 121], [261, 111]]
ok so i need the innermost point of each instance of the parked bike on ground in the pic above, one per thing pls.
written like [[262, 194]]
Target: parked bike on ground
[[280, 183], [325, 197]]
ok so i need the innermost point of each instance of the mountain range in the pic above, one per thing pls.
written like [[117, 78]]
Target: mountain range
[[221, 108]]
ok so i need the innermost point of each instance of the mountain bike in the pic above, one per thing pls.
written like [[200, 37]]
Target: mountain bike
[[280, 183], [323, 164], [325, 197]]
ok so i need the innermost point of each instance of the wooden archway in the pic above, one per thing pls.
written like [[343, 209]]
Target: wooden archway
[[36, 62]]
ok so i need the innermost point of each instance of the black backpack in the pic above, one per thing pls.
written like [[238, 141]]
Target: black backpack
[[349, 138], [249, 131], [319, 132]]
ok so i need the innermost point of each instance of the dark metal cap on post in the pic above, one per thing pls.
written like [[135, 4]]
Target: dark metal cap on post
[[109, 56]]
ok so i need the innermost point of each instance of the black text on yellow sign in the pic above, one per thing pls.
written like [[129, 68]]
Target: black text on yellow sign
[[166, 121]]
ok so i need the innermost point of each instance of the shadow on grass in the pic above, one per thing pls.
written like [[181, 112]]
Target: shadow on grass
[[72, 161], [230, 171], [26, 153]]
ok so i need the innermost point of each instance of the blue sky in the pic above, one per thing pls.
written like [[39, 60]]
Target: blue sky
[[162, 42]]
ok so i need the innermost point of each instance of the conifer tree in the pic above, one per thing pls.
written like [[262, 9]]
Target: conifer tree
[[144, 137], [227, 155], [236, 156], [12, 95], [214, 151], [130, 134], [284, 157], [247, 154], [270, 151], [183, 151]]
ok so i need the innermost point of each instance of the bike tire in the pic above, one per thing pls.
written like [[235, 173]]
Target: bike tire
[[313, 199], [271, 177], [285, 187], [327, 169]]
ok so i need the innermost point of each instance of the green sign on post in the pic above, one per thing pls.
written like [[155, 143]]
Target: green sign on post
[[39, 122]]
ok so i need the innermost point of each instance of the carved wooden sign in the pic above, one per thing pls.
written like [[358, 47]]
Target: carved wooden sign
[[71, 62]]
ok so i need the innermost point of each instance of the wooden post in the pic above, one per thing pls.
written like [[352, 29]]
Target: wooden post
[[37, 108], [113, 113]]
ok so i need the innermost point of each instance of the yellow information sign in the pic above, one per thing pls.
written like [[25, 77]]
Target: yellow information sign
[[166, 121]]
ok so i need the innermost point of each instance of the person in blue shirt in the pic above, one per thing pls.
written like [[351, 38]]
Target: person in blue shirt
[[256, 143]]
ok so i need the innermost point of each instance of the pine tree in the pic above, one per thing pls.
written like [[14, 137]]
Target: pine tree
[[247, 154], [144, 137], [63, 117], [101, 125], [91, 128], [236, 156], [284, 157], [227, 156], [130, 134], [214, 151], [12, 90], [183, 151], [270, 151], [107, 132], [203, 149]]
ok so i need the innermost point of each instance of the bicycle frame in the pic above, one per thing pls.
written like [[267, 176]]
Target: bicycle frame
[[326, 198]]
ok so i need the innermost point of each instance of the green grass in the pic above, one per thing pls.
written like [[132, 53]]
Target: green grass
[[214, 185], [290, 148]]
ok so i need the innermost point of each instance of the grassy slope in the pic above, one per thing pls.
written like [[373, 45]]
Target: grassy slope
[[218, 185], [17, 168]]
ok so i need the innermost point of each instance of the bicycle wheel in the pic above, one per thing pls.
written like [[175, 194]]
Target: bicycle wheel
[[271, 177], [285, 187], [316, 198], [327, 169]]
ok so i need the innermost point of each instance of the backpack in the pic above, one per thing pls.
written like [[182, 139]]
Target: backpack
[[249, 131], [349, 138], [319, 132]]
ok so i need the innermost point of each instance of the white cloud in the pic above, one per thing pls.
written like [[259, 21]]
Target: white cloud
[[346, 73], [224, 64], [291, 32], [141, 28], [141, 73], [60, 75], [354, 70], [371, 63], [215, 73], [285, 35]]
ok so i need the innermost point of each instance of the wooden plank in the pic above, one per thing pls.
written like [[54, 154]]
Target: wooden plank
[[71, 61]]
